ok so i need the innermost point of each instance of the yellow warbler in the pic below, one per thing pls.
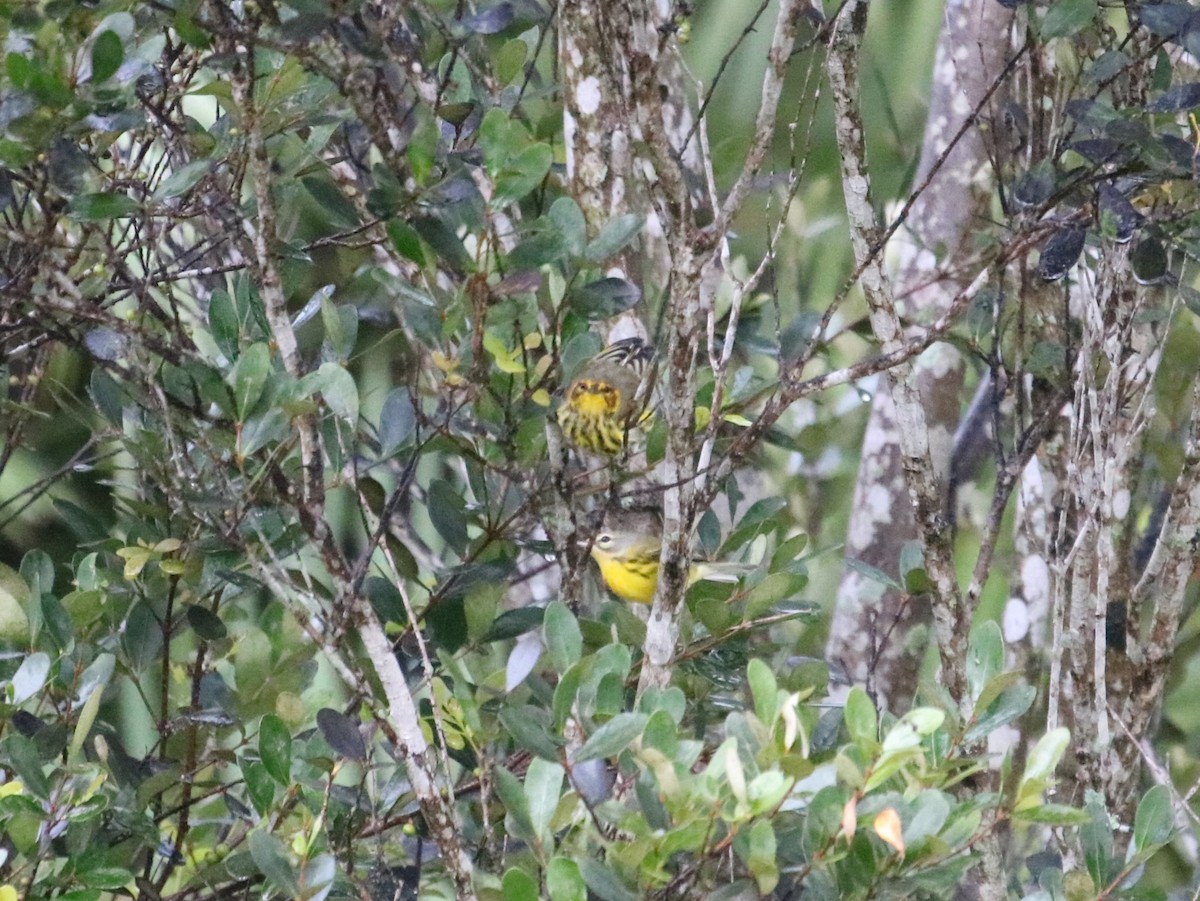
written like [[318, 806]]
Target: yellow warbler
[[603, 403], [628, 559]]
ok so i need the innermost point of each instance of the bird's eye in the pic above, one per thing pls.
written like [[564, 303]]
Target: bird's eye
[[604, 540]]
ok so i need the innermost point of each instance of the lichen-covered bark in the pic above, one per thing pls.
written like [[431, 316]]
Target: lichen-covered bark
[[877, 636]]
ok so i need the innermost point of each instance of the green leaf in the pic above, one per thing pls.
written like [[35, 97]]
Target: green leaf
[[1152, 825], [1046, 754], [512, 623], [516, 804], [341, 733], [985, 656], [564, 880], [1009, 705], [615, 234], [205, 623], [772, 590], [522, 174], [14, 595], [102, 205], [873, 573], [406, 241], [530, 729], [765, 690], [510, 61], [604, 298], [569, 224], [397, 422], [1097, 840], [29, 677], [860, 718], [912, 568], [1053, 815], [260, 787], [272, 861], [613, 737], [275, 749], [564, 641], [223, 323], [446, 510], [179, 183], [337, 388], [761, 859], [543, 788], [249, 377], [107, 56], [517, 885], [1066, 17], [601, 880]]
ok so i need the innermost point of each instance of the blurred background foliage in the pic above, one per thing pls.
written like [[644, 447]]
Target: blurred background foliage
[[172, 723]]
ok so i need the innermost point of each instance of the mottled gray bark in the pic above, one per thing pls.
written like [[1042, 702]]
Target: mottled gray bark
[[878, 636]]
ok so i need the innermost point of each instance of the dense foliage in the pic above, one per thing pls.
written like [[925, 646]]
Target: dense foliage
[[287, 296]]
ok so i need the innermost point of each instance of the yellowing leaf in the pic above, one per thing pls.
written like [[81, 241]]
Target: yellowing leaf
[[541, 397], [533, 340], [703, 416], [168, 545], [11, 788], [887, 827], [135, 559], [443, 362]]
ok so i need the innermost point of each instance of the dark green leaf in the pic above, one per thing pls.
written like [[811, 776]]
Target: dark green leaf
[[205, 623], [604, 298], [342, 213], [1149, 262], [249, 377], [107, 56], [446, 510], [512, 623], [602, 881], [224, 324], [406, 241], [530, 728], [341, 733], [275, 749], [259, 786], [1060, 253], [1097, 839], [397, 422]]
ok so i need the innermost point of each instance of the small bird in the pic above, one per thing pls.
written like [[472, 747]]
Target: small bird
[[628, 553], [602, 404]]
